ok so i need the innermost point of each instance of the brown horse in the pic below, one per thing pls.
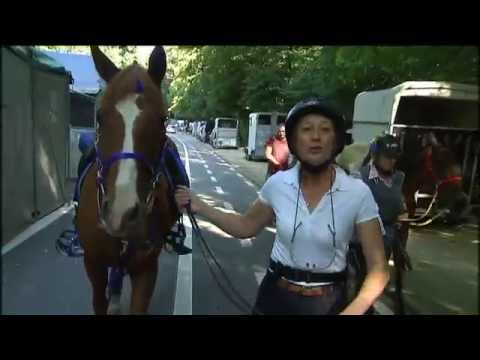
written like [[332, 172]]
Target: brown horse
[[125, 202]]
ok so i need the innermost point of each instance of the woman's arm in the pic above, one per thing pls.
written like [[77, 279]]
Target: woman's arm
[[370, 236], [238, 225], [269, 155]]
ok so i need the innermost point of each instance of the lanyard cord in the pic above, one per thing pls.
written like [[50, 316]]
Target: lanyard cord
[[332, 231]]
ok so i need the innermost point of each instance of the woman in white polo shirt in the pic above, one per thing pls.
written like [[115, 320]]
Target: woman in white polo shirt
[[317, 209]]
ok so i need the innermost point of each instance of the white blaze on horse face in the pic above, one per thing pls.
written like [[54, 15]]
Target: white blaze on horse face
[[126, 183]]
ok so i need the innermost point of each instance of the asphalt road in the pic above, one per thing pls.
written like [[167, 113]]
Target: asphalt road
[[36, 280]]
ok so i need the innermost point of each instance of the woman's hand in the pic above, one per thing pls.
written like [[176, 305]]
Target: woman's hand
[[184, 197]]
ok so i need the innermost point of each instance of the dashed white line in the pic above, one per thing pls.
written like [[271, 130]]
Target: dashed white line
[[219, 190], [213, 179], [227, 205], [205, 166], [249, 183], [209, 172]]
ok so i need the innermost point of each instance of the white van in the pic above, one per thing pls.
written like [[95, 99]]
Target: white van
[[225, 132], [261, 126]]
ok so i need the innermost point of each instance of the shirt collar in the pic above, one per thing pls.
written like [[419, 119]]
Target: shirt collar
[[291, 178], [373, 174]]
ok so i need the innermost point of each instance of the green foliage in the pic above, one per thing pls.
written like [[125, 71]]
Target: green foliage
[[213, 81], [204, 82]]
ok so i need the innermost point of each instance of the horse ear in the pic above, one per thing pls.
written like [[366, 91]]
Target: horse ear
[[157, 65], [105, 67]]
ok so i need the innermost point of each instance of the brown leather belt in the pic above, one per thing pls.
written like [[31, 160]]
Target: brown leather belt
[[305, 290]]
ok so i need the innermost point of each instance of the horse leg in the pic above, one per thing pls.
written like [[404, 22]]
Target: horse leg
[[98, 276], [143, 284]]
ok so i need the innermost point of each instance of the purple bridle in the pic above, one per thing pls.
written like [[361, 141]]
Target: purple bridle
[[104, 166]]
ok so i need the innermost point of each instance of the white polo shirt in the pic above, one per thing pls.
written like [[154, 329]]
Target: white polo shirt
[[312, 248]]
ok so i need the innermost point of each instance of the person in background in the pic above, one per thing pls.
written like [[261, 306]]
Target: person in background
[[277, 152]]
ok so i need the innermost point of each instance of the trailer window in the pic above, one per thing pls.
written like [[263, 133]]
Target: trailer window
[[264, 120], [437, 112], [227, 124]]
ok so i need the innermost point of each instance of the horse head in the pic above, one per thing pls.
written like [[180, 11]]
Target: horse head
[[130, 139]]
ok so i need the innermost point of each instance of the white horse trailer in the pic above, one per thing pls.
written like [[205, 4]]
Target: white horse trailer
[[446, 109], [225, 132], [261, 126]]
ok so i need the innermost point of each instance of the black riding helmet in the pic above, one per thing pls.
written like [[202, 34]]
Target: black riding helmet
[[387, 145], [318, 106]]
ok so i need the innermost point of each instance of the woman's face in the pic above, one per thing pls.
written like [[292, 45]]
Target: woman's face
[[314, 139], [385, 163]]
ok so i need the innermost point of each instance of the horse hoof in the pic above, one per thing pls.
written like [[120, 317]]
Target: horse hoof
[[114, 307]]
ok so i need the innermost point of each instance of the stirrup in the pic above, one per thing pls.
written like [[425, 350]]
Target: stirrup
[[176, 239], [68, 244]]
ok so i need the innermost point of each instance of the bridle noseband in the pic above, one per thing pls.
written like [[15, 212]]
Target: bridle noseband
[[104, 166]]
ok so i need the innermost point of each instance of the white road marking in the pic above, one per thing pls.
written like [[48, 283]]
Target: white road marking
[[205, 166], [36, 227], [219, 190], [227, 205], [209, 172], [183, 291], [213, 179], [249, 183]]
